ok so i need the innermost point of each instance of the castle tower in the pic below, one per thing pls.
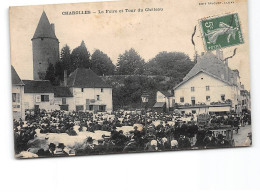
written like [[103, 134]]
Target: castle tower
[[45, 46]]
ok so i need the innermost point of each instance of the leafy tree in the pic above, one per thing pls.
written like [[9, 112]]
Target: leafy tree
[[130, 63], [50, 74], [80, 57], [172, 64], [129, 93], [102, 64]]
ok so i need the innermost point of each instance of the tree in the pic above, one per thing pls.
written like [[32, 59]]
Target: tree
[[65, 58], [128, 93], [50, 74], [172, 64], [130, 63], [59, 71], [102, 64], [80, 57]]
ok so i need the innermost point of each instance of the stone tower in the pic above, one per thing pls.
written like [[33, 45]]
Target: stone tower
[[45, 47]]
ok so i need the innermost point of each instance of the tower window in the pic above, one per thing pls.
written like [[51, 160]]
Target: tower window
[[182, 99], [102, 90], [82, 89], [98, 97], [192, 89]]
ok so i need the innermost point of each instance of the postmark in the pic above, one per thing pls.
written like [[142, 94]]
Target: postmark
[[221, 31]]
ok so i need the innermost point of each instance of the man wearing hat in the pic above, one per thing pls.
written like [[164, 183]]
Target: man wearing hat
[[50, 151]]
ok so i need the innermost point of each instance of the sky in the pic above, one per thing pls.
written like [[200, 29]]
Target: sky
[[148, 32]]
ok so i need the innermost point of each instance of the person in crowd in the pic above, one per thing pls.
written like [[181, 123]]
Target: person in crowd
[[222, 142], [210, 141], [60, 150], [184, 142]]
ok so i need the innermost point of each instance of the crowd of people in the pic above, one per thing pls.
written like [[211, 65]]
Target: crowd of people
[[151, 131]]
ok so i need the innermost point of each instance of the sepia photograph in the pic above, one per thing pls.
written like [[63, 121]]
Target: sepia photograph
[[130, 77]]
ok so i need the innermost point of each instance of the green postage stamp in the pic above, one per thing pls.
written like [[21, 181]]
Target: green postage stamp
[[221, 31]]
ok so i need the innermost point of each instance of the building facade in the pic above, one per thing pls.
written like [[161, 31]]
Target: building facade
[[164, 101], [63, 98], [90, 92], [245, 100], [210, 87], [38, 94], [45, 47], [17, 95]]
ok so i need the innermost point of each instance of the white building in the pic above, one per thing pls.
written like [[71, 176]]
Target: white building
[[84, 91], [63, 98], [210, 86], [90, 92], [164, 101], [38, 94], [17, 95]]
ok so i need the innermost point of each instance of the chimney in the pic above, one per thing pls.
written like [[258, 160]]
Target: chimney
[[65, 78], [53, 27], [219, 54]]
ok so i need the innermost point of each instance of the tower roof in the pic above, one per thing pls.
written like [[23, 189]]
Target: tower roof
[[86, 78], [44, 29]]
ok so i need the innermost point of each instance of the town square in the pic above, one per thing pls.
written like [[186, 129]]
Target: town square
[[82, 104]]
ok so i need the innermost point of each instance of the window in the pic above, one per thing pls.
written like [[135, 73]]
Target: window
[[45, 98], [194, 111], [102, 90], [82, 89], [98, 98], [207, 98], [192, 89], [64, 101], [79, 108], [15, 97], [91, 107], [102, 108], [223, 97], [207, 88], [182, 99], [182, 112], [193, 102]]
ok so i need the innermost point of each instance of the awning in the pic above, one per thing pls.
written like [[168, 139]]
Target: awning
[[159, 104], [220, 109]]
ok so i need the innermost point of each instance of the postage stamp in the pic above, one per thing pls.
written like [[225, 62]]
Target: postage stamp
[[221, 31]]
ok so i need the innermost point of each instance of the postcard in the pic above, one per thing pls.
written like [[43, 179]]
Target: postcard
[[130, 77]]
